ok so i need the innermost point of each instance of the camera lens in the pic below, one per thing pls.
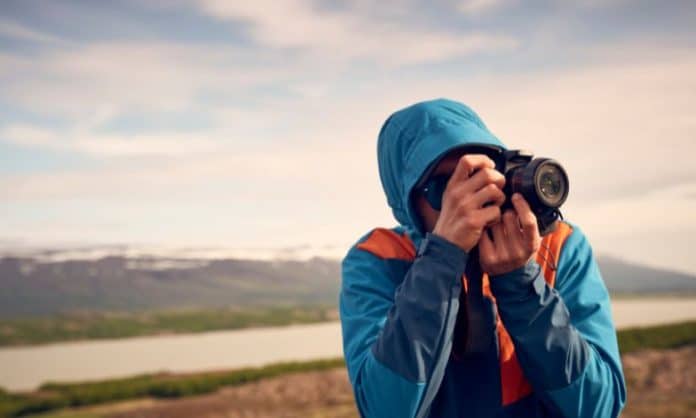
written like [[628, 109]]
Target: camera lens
[[551, 183]]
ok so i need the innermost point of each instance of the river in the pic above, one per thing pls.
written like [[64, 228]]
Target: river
[[25, 368]]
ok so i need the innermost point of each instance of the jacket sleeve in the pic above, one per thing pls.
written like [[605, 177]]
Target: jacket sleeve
[[564, 336], [397, 338]]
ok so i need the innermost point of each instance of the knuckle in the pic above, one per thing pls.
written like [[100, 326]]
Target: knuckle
[[493, 216], [465, 163], [521, 254], [529, 221], [468, 223], [472, 222], [452, 193]]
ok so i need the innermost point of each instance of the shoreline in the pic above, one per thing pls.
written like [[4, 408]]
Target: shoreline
[[167, 386]]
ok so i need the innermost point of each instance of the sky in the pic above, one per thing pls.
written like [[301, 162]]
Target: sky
[[253, 125]]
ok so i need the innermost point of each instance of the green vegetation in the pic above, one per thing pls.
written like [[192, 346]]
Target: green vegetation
[[95, 325], [658, 337], [68, 414], [685, 294], [55, 396]]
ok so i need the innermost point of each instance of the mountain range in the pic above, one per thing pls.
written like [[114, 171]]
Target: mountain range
[[34, 286]]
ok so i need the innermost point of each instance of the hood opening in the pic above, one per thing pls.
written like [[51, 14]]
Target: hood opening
[[413, 140]]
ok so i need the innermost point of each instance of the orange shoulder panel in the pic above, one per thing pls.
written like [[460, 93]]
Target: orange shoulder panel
[[385, 243], [550, 251]]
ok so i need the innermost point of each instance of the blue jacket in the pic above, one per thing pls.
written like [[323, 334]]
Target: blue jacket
[[424, 337]]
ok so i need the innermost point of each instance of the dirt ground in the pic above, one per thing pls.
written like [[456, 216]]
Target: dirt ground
[[309, 394], [661, 384]]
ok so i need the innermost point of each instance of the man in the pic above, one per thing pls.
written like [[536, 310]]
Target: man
[[525, 331]]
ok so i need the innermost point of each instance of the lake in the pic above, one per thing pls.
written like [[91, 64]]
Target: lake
[[25, 368]]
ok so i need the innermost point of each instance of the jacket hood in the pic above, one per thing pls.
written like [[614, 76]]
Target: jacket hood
[[414, 139]]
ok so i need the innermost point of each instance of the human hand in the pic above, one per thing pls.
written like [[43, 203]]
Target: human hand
[[515, 240], [465, 212]]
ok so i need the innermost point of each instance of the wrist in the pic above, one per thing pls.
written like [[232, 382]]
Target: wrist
[[444, 250], [442, 235], [519, 281]]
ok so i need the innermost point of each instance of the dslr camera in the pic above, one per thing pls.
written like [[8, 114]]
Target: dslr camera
[[542, 181]]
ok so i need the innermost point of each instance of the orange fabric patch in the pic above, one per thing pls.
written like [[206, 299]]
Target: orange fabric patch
[[513, 384], [385, 243], [550, 251]]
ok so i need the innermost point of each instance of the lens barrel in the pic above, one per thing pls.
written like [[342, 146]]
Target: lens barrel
[[543, 182]]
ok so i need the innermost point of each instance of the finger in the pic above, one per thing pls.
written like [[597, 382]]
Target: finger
[[498, 231], [489, 194], [501, 250], [514, 237], [490, 215], [467, 164], [486, 248], [513, 224], [482, 178], [527, 219]]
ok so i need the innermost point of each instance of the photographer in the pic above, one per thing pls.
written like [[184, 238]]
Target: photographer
[[464, 309]]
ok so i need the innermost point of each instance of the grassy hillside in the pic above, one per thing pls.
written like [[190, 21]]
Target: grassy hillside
[[658, 337], [54, 396], [98, 325]]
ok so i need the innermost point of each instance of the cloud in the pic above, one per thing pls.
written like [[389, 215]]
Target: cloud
[[620, 130], [602, 217], [655, 228], [480, 7], [110, 145], [284, 172], [18, 31], [134, 76], [300, 49], [342, 36]]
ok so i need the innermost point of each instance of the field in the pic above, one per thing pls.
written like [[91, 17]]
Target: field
[[98, 325], [657, 361]]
